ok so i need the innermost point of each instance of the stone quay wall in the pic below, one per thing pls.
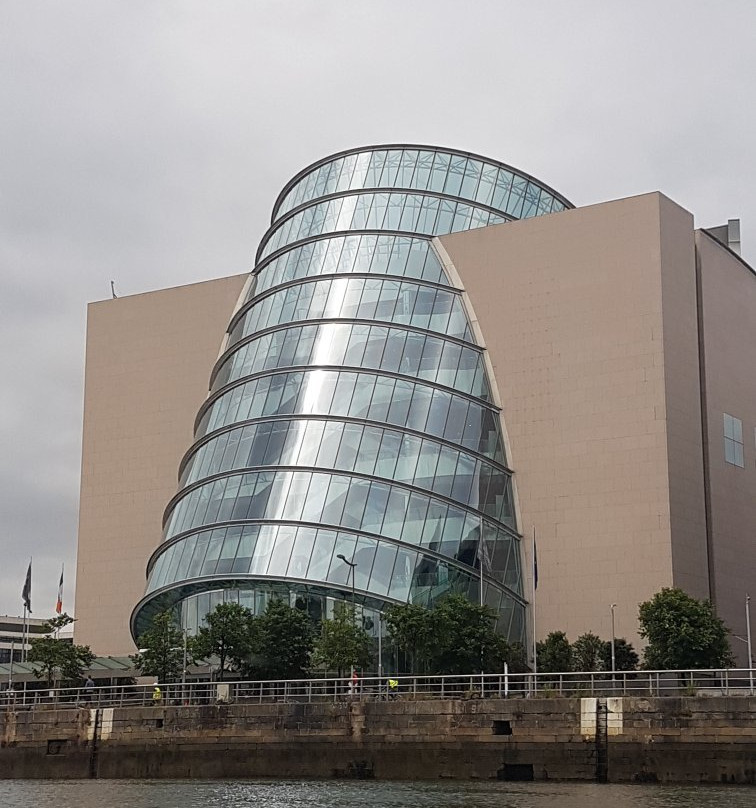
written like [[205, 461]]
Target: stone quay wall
[[687, 739]]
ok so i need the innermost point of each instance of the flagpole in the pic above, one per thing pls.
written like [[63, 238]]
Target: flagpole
[[534, 573], [10, 669], [23, 635]]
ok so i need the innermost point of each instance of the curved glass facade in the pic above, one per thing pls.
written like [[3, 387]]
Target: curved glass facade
[[452, 417], [350, 412], [437, 170]]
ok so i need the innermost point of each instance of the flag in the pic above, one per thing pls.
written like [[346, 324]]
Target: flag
[[26, 591], [535, 562], [59, 602]]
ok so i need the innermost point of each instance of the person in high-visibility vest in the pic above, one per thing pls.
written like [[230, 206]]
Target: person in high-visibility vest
[[393, 686], [157, 695]]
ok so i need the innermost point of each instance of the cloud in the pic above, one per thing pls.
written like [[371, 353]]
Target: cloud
[[146, 142]]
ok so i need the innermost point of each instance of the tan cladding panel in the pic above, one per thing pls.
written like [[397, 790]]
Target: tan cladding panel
[[148, 366], [728, 295], [570, 308]]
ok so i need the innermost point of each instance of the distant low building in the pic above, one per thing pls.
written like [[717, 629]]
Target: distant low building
[[12, 636]]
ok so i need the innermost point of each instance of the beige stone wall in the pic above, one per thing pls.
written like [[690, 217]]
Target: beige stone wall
[[728, 306], [572, 310], [690, 568], [664, 739], [148, 365]]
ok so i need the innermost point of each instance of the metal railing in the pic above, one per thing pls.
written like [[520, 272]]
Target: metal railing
[[371, 688]]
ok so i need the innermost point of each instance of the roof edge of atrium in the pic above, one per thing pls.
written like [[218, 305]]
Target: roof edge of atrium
[[419, 146]]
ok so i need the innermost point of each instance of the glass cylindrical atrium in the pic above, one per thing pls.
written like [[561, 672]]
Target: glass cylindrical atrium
[[350, 413]]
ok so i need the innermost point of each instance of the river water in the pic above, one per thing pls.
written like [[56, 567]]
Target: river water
[[362, 794]]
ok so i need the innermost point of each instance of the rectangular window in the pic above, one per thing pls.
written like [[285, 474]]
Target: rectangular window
[[733, 440]]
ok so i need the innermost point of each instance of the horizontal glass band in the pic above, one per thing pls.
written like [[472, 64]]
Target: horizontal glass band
[[372, 347], [410, 213], [191, 601], [378, 299], [365, 449], [369, 396], [337, 500], [383, 568], [424, 169], [372, 253]]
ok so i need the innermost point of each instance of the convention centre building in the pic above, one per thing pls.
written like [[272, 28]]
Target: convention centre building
[[436, 365]]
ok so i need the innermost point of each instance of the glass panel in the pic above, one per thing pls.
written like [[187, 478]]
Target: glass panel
[[393, 522], [456, 173], [439, 171], [369, 449], [279, 560], [445, 218], [228, 552], [213, 552], [409, 452], [314, 497], [375, 507], [364, 555], [263, 550], [423, 170], [335, 500], [322, 552], [349, 447], [401, 579], [426, 222], [355, 503], [471, 179], [300, 556], [375, 169], [246, 550], [339, 571], [391, 168], [383, 567], [502, 189]]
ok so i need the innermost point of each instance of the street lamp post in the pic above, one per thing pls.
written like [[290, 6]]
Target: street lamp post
[[351, 565], [380, 648], [183, 670], [748, 640], [614, 663]]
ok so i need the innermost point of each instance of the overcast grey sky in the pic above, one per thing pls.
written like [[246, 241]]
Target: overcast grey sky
[[146, 140]]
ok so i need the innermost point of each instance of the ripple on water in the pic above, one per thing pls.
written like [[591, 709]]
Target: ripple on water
[[361, 794]]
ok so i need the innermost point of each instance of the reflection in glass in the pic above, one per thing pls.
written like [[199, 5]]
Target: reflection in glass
[[350, 412]]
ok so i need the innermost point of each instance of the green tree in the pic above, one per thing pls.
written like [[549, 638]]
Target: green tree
[[161, 651], [412, 629], [682, 633], [227, 636], [53, 658], [466, 638], [625, 658], [456, 636], [554, 653], [517, 658], [588, 653], [342, 643], [283, 641]]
